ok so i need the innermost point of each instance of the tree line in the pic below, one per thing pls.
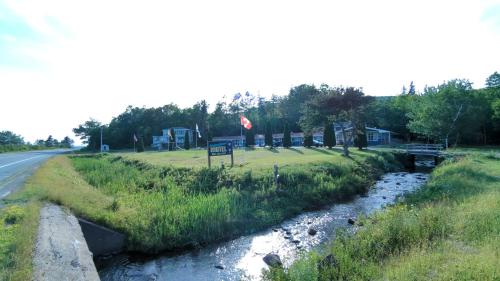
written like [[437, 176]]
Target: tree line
[[451, 113], [9, 141]]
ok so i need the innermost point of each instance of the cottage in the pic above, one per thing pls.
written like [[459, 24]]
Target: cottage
[[374, 136]]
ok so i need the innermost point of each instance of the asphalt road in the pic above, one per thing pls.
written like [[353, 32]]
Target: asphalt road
[[16, 167]]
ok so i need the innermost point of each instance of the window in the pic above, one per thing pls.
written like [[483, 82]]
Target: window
[[371, 136]]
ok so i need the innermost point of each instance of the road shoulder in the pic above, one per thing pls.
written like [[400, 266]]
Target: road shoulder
[[61, 252]]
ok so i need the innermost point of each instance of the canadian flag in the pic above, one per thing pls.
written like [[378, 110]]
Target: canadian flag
[[245, 122]]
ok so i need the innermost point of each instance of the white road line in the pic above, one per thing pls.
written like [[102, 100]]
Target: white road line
[[13, 163]]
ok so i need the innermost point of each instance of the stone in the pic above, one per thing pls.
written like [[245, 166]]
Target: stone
[[295, 241], [383, 197], [328, 261], [351, 221], [219, 266], [312, 231], [272, 260]]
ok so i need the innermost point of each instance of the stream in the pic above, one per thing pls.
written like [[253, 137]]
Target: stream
[[241, 258]]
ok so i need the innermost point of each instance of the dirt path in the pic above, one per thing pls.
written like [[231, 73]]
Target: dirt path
[[61, 251]]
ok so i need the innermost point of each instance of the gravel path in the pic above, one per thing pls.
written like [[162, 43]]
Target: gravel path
[[61, 252]]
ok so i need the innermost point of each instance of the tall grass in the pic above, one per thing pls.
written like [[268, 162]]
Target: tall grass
[[448, 230], [164, 207]]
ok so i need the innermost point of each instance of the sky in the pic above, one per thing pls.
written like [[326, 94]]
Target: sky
[[63, 62]]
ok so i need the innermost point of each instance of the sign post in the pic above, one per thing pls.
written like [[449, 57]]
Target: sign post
[[220, 148]]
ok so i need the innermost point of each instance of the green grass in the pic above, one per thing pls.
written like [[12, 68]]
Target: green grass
[[256, 159], [18, 229], [448, 230], [163, 204]]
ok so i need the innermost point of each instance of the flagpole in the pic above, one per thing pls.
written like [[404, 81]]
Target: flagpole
[[134, 142]]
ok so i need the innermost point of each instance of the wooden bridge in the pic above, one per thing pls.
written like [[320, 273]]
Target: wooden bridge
[[424, 149]]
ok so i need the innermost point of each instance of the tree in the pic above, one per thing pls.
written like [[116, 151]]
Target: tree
[[439, 112], [67, 142], [291, 106], [8, 137], [89, 133], [140, 147], [308, 140], [493, 80], [269, 135], [186, 140], [249, 137], [173, 139], [287, 137], [411, 91], [337, 104], [360, 140], [329, 136], [49, 142], [495, 106]]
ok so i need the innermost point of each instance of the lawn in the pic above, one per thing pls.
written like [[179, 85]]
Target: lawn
[[448, 230], [256, 159], [169, 200]]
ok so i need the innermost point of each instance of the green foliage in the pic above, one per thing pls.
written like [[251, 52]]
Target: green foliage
[[329, 136], [443, 111], [493, 80], [177, 207], [448, 229], [9, 138], [18, 230], [308, 140], [173, 140], [187, 145], [360, 139], [89, 133], [140, 145], [269, 135], [287, 137], [249, 137]]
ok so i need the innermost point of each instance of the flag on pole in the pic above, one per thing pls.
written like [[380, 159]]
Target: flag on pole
[[245, 122], [236, 97], [198, 131], [169, 134], [135, 138]]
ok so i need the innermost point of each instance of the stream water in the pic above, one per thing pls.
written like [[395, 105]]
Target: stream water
[[241, 259]]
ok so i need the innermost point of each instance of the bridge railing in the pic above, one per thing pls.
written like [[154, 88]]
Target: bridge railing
[[431, 148]]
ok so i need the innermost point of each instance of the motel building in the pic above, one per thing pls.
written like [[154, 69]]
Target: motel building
[[297, 139], [180, 132], [374, 136]]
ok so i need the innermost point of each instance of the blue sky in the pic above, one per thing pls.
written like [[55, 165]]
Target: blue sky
[[62, 62]]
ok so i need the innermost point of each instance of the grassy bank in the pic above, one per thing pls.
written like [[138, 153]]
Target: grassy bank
[[162, 204], [18, 230], [446, 231]]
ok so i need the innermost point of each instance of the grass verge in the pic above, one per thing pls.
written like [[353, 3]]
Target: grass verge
[[18, 230], [164, 207], [448, 230]]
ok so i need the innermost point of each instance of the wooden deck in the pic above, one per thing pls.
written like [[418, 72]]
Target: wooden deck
[[424, 149]]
